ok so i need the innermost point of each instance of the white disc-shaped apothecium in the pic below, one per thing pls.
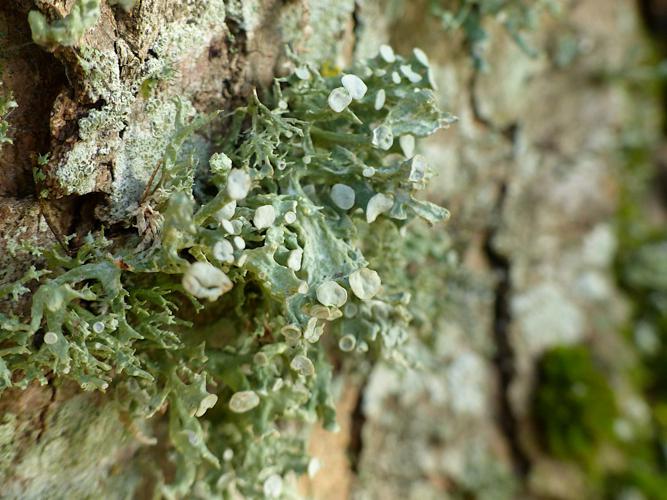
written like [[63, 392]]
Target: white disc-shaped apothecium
[[387, 53], [273, 486], [301, 364], [347, 343], [294, 259], [331, 294], [291, 333], [290, 217], [50, 338], [238, 184], [418, 168], [208, 402], [407, 143], [421, 56], [377, 205], [223, 251], [243, 401], [380, 98], [302, 73], [355, 86], [343, 196], [365, 283], [339, 99], [205, 281], [264, 217], [227, 211], [382, 138], [368, 172]]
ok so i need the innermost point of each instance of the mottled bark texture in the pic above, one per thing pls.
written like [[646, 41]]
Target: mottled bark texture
[[529, 174]]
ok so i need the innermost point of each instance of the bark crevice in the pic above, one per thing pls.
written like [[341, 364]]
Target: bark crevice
[[504, 358], [355, 445], [501, 269]]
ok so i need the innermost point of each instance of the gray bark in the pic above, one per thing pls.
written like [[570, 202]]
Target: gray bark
[[529, 174]]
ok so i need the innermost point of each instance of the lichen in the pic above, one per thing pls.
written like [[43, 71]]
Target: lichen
[[128, 109], [185, 35], [7, 104], [472, 17], [50, 469], [226, 337], [68, 30]]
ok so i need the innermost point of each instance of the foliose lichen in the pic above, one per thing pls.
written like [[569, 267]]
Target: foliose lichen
[[68, 30], [215, 308]]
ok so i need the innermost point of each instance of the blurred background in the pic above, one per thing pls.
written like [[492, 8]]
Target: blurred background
[[545, 350]]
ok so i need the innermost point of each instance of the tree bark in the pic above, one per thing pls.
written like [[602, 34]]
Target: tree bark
[[529, 172]]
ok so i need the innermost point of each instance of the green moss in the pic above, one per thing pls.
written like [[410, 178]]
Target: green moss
[[214, 306], [573, 406], [642, 480], [641, 270]]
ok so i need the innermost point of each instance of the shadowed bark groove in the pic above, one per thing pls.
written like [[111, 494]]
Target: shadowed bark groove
[[504, 357]]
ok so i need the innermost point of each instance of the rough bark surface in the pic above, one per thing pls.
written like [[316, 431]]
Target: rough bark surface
[[529, 174]]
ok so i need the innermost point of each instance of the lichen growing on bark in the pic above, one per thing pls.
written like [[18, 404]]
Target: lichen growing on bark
[[7, 104], [68, 30], [214, 307], [472, 17]]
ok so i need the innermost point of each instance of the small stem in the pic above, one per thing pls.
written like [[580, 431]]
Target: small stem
[[336, 137]]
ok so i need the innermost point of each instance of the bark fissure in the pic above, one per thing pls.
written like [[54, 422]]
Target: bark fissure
[[501, 267], [504, 356], [43, 415], [474, 105], [355, 445]]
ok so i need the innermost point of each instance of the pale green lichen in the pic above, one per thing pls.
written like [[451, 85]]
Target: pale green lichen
[[184, 36], [68, 30], [517, 17], [7, 104], [148, 140], [49, 468], [128, 95], [124, 315], [321, 35]]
